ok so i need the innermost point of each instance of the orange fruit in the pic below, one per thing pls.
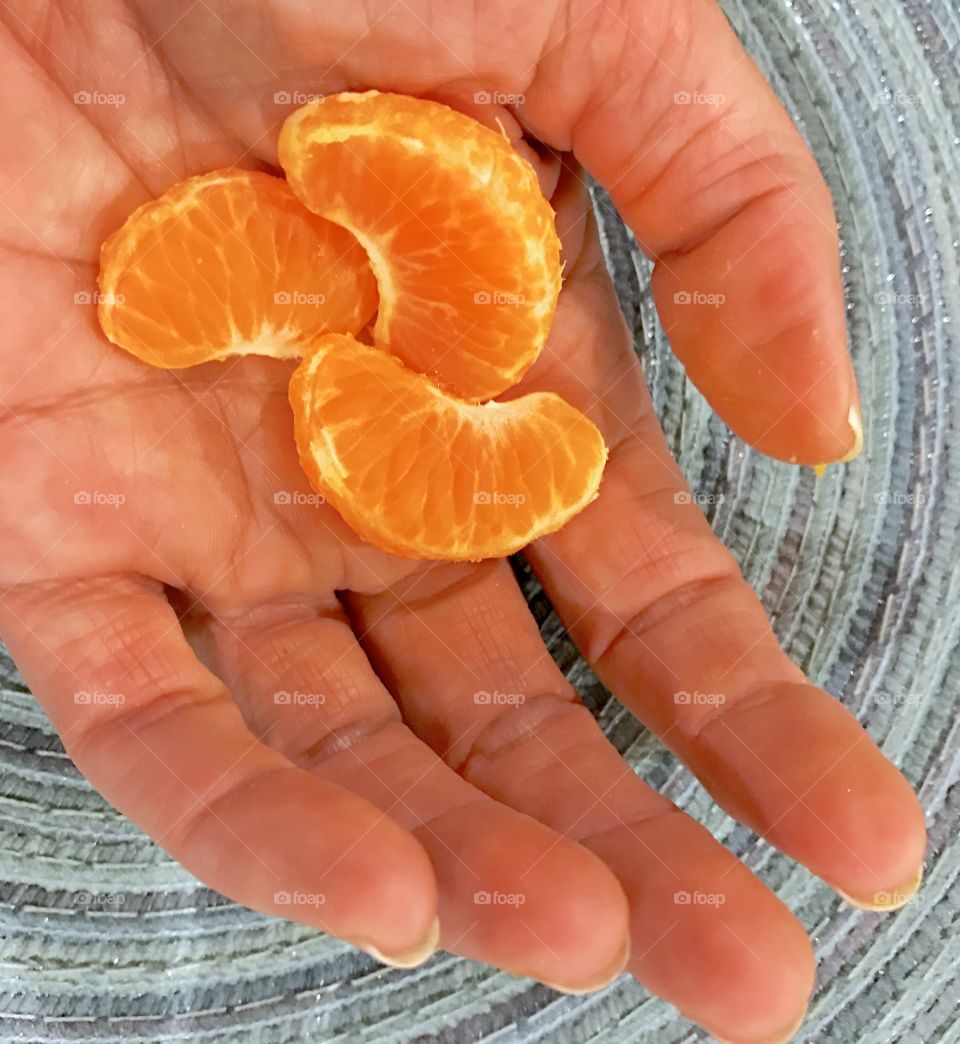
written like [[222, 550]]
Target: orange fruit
[[423, 474], [230, 263], [460, 238]]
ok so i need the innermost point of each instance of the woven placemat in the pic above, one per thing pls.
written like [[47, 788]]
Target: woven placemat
[[104, 937]]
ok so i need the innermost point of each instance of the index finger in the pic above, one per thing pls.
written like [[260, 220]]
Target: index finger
[[667, 111]]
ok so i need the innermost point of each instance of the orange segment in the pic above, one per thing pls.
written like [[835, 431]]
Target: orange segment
[[425, 475], [460, 238], [230, 263]]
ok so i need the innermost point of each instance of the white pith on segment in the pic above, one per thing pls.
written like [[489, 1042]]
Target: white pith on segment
[[160, 253], [488, 169], [381, 268], [491, 425]]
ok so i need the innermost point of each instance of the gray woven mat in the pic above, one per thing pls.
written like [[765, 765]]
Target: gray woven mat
[[104, 937]]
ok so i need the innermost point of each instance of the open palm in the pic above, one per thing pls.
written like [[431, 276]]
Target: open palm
[[372, 745]]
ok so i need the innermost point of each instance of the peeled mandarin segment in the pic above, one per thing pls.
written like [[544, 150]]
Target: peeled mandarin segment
[[460, 238], [420, 473], [230, 263]]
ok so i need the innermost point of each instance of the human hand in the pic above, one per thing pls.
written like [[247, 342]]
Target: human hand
[[400, 797]]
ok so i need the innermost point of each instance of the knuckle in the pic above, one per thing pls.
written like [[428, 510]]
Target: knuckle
[[685, 594], [507, 729]]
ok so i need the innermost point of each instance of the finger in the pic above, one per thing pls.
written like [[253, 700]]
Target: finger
[[512, 893], [659, 607], [491, 698], [671, 115], [159, 737]]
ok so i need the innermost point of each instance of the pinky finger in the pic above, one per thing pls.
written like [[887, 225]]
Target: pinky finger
[[158, 735]]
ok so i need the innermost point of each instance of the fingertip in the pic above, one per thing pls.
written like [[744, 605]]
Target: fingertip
[[294, 846], [762, 966], [777, 1038], [855, 420], [410, 957], [785, 981], [886, 901], [603, 978], [801, 770], [601, 920], [583, 918], [386, 891], [544, 907], [723, 948], [759, 326]]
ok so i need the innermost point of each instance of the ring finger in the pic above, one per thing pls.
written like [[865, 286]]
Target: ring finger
[[706, 934]]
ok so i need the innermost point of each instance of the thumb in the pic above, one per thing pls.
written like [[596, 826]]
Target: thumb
[[669, 113]]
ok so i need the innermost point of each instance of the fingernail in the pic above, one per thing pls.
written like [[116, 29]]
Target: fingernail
[[409, 958], [856, 428], [612, 972], [885, 902], [778, 1038]]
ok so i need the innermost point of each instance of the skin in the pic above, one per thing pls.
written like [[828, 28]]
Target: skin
[[198, 598]]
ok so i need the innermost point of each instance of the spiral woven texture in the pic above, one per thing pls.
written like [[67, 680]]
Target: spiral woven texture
[[104, 937]]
